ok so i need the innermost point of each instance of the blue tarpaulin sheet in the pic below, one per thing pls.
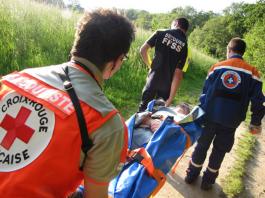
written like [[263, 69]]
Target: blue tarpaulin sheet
[[166, 145]]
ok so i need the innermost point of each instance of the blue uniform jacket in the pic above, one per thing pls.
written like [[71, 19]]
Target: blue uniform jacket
[[229, 87]]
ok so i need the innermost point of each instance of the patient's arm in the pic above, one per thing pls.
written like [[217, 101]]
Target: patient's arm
[[155, 124], [146, 122]]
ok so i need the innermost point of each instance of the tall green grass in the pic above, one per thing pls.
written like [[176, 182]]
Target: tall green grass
[[193, 81], [125, 88], [131, 78], [233, 184], [33, 34]]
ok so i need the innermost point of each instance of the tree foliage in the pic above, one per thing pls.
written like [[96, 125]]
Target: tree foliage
[[255, 39], [58, 3], [212, 37], [238, 20], [208, 32], [149, 21]]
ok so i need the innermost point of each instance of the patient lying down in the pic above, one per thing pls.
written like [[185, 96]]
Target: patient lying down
[[147, 123]]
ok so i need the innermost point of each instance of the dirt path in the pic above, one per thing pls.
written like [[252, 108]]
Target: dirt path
[[255, 176], [175, 186]]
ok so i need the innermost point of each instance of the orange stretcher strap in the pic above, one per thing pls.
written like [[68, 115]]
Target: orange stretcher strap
[[143, 157]]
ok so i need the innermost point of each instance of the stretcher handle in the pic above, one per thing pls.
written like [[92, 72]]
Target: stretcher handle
[[142, 156]]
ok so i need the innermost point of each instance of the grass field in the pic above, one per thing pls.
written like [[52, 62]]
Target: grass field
[[233, 184], [33, 35], [124, 89]]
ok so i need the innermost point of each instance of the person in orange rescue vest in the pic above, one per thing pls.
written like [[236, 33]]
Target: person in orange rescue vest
[[44, 151]]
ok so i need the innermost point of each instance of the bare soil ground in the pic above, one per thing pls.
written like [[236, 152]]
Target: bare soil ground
[[255, 177], [254, 180]]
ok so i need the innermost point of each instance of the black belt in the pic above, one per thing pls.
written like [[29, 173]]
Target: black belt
[[228, 95]]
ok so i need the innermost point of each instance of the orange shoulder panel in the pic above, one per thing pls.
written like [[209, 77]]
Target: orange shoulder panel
[[94, 118], [237, 64]]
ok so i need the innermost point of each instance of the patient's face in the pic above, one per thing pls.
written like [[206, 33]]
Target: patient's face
[[181, 110]]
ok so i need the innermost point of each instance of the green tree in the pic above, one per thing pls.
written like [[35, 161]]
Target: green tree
[[163, 20], [58, 3], [255, 40], [144, 20], [235, 16], [132, 14], [212, 38], [196, 19], [242, 17], [254, 13]]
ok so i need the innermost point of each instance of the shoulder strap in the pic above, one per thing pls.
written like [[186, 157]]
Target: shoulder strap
[[86, 141]]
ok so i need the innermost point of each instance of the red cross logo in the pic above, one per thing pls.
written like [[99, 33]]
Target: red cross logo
[[16, 128]]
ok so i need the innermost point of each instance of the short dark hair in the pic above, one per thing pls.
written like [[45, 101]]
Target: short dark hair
[[101, 36], [185, 107], [237, 45], [183, 23]]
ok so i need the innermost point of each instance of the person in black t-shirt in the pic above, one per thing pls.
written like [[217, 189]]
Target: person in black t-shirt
[[165, 73]]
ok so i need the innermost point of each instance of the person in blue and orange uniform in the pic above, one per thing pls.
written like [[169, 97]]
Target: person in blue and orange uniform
[[168, 65], [228, 89], [40, 140]]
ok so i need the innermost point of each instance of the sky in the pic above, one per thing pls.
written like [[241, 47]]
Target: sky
[[161, 6]]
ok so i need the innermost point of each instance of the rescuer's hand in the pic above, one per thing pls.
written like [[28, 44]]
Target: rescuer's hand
[[253, 129]]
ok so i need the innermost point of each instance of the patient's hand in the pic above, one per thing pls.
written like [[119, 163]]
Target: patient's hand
[[155, 124]]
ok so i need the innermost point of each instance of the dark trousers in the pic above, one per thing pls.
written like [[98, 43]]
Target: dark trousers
[[151, 93], [223, 140]]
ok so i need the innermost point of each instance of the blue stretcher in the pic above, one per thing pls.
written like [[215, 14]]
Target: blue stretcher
[[144, 174]]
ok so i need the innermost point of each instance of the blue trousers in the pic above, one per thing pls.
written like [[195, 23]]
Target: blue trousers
[[222, 138]]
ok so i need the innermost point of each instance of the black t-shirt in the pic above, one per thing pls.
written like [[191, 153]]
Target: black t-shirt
[[170, 53]]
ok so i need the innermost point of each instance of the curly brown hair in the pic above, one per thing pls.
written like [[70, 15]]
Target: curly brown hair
[[102, 36]]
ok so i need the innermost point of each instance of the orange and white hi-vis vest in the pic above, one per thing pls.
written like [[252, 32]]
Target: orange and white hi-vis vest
[[40, 138]]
